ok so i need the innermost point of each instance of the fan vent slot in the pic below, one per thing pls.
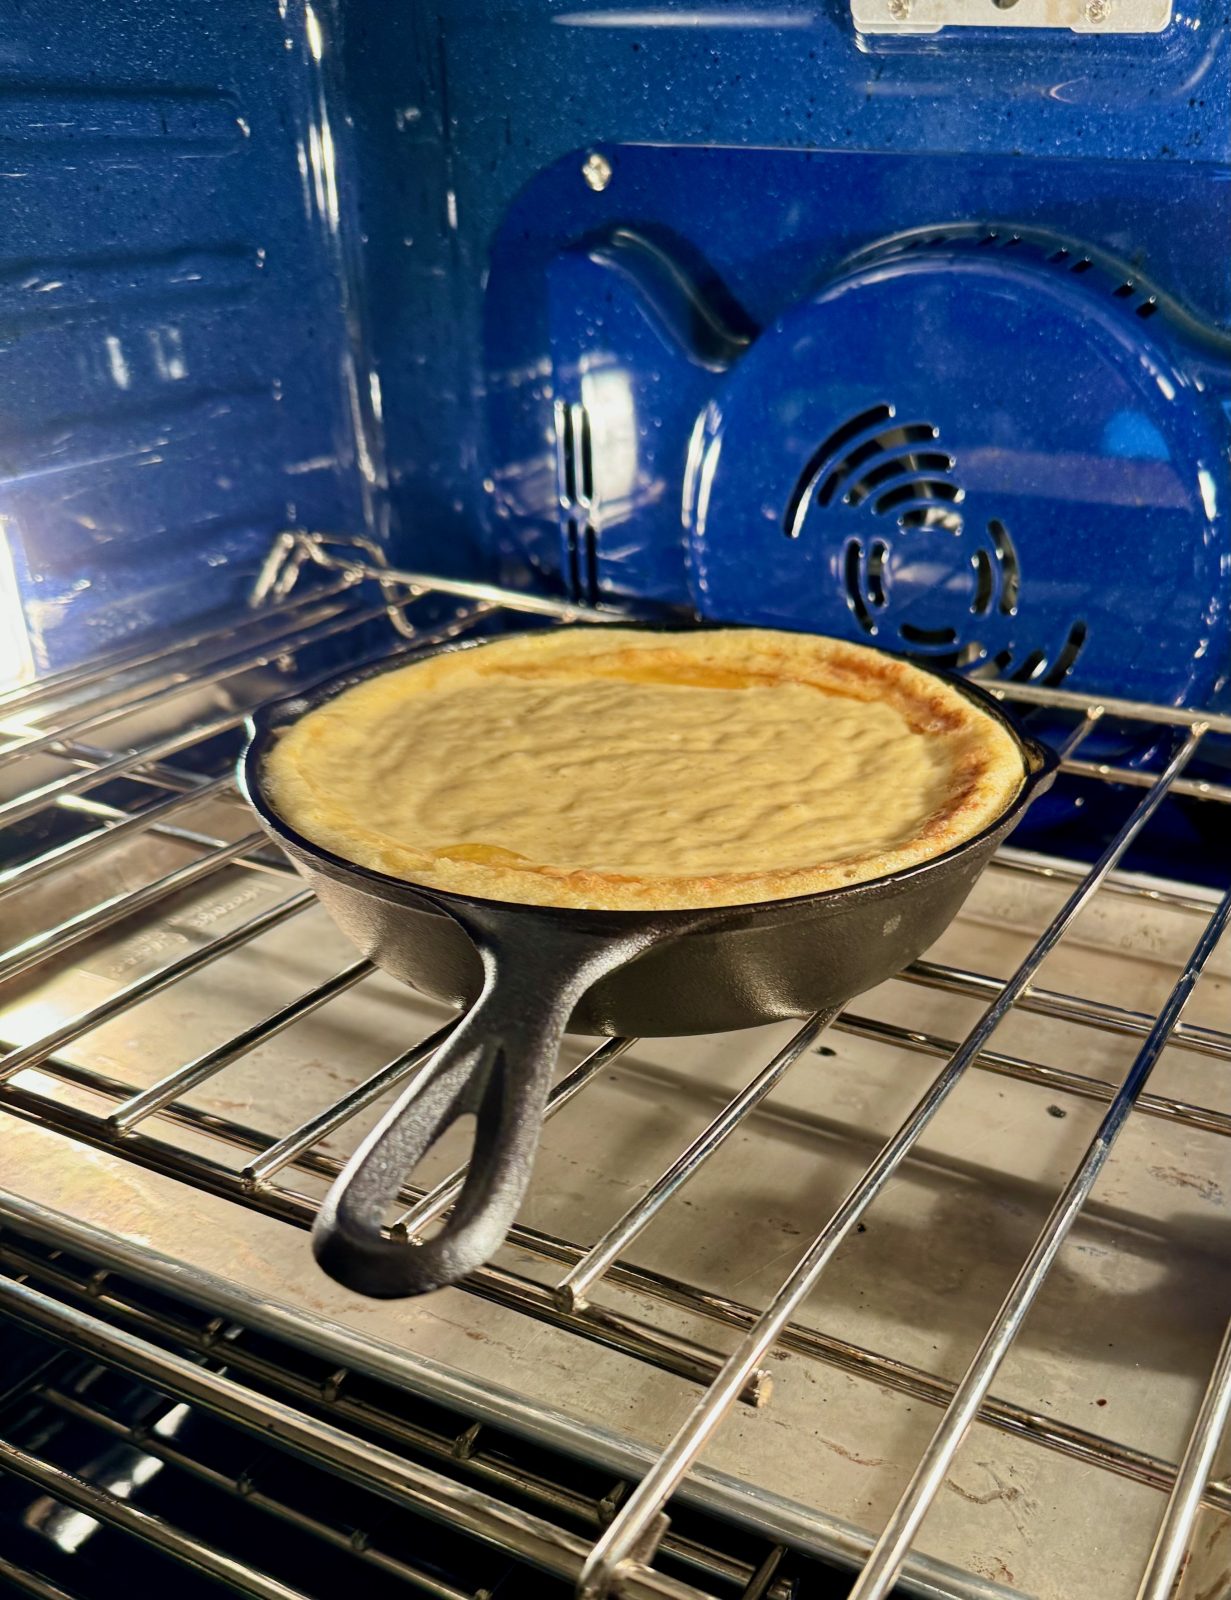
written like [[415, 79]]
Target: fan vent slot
[[927, 636], [985, 583], [876, 572], [897, 467], [828, 455], [933, 516], [917, 489], [1010, 567], [851, 569], [858, 442], [909, 433], [842, 436], [1032, 667], [1035, 667], [1067, 656]]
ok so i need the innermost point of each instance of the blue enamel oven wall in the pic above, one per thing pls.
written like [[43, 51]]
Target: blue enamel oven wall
[[266, 263], [173, 345]]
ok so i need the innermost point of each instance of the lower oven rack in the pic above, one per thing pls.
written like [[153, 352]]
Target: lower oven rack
[[139, 754]]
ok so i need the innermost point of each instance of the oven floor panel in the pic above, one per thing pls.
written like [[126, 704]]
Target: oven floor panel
[[1120, 1343]]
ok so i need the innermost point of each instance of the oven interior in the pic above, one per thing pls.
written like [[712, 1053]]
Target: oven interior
[[342, 328]]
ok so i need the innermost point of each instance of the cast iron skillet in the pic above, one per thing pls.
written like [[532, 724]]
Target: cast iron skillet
[[528, 972]]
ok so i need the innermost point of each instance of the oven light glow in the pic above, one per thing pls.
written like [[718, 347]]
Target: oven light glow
[[316, 40], [120, 374], [125, 1469], [16, 663]]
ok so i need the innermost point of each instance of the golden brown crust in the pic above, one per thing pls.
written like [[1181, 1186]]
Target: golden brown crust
[[934, 768]]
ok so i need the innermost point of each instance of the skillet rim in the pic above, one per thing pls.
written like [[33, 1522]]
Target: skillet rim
[[265, 725]]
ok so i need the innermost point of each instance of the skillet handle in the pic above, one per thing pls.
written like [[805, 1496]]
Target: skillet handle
[[497, 1063]]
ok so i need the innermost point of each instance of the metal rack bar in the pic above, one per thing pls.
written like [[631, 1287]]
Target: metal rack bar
[[426, 583], [286, 1150], [1067, 1007], [156, 775], [98, 1289], [72, 681], [359, 1461], [118, 1513], [886, 1560], [636, 1520], [127, 1115], [26, 805], [55, 941], [1122, 884], [573, 1289], [300, 638], [355, 1541], [84, 1022], [759, 1588], [77, 851], [30, 1582], [270, 864], [1076, 1442], [1110, 705], [629, 1336], [1134, 777], [1175, 1531], [1079, 734], [437, 1201], [1056, 1078]]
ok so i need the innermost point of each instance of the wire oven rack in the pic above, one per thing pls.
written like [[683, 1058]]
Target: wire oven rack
[[121, 751]]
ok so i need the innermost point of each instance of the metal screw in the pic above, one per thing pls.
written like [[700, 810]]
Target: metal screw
[[1098, 10], [596, 169], [899, 10]]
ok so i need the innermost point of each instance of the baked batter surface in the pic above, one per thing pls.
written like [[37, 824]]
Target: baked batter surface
[[626, 769]]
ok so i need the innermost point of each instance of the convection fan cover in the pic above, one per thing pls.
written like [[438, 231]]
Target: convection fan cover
[[986, 450], [991, 448]]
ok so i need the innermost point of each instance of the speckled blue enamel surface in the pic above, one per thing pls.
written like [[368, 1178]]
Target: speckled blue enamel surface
[[265, 263], [169, 326], [979, 446]]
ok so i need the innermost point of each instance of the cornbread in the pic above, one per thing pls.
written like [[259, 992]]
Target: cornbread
[[628, 769]]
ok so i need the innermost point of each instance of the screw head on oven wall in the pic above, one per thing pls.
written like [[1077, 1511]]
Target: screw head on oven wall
[[596, 170], [1098, 10]]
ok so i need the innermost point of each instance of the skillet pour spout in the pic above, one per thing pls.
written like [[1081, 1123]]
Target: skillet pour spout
[[527, 972]]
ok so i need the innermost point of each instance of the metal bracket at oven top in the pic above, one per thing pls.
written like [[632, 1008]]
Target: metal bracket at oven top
[[1078, 16]]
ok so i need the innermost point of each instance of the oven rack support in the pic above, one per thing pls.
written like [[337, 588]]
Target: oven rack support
[[63, 720]]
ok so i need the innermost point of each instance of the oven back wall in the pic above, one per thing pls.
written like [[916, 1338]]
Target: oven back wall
[[761, 144], [270, 262]]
